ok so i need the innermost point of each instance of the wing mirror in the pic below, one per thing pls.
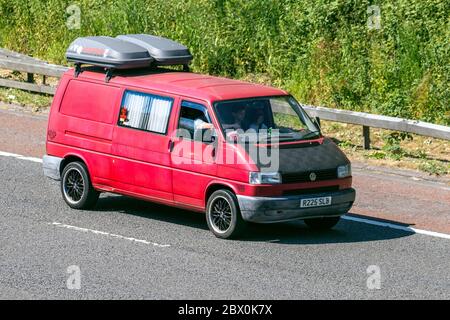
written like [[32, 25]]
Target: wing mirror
[[205, 135]]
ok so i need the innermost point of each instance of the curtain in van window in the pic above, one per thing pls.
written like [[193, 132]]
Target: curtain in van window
[[147, 112], [159, 115]]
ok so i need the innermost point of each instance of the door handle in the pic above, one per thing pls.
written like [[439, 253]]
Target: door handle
[[171, 145]]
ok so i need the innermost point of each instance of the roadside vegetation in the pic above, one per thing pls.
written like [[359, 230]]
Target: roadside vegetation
[[34, 101], [388, 148], [322, 51], [392, 149]]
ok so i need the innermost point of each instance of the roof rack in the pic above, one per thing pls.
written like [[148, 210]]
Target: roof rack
[[127, 52]]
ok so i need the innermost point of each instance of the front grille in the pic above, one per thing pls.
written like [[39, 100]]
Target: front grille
[[296, 192], [321, 175]]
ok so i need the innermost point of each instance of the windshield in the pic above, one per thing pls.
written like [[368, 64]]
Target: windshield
[[280, 118]]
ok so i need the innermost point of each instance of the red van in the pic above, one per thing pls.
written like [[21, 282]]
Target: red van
[[237, 151]]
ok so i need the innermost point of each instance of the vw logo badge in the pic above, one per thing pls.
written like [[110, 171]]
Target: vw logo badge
[[312, 176]]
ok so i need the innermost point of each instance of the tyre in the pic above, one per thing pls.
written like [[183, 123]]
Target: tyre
[[322, 223], [223, 215], [76, 187]]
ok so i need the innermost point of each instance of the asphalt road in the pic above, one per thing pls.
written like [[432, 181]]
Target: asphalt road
[[128, 249], [181, 259]]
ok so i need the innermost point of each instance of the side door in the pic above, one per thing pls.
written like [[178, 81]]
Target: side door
[[192, 153], [140, 145]]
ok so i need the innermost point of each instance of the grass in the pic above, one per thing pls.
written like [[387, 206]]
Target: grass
[[37, 102], [34, 101], [434, 168], [322, 51], [414, 152], [389, 149]]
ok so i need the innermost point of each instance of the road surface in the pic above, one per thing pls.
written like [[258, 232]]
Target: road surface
[[129, 249]]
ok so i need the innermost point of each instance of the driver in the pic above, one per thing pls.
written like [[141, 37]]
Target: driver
[[258, 120], [238, 113]]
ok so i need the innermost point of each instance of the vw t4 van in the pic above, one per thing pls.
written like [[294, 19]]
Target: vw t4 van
[[124, 122]]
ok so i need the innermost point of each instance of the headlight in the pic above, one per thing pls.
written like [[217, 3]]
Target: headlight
[[264, 177], [344, 171]]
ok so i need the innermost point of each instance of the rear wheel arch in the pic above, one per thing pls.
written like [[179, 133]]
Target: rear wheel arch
[[76, 186], [71, 158]]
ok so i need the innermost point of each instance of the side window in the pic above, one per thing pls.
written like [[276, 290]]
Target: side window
[[194, 119], [145, 111]]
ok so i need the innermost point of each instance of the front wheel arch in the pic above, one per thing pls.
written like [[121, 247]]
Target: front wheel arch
[[227, 211]]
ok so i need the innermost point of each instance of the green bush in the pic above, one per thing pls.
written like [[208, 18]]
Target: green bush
[[321, 51], [434, 167]]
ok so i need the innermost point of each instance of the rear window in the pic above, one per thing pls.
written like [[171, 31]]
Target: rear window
[[90, 101]]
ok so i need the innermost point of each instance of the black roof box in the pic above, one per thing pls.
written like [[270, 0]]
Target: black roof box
[[164, 51], [108, 52]]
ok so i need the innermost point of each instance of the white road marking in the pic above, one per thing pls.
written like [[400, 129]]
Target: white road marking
[[345, 217], [18, 156], [397, 226], [103, 233]]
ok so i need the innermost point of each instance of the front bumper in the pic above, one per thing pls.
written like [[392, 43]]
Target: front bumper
[[51, 167], [285, 208]]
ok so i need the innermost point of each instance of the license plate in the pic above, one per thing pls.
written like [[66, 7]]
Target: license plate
[[315, 202]]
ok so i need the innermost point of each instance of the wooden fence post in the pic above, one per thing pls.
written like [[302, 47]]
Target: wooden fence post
[[366, 137], [30, 77]]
